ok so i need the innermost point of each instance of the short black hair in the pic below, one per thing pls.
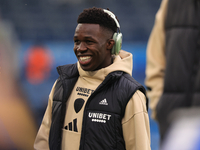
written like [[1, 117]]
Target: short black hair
[[97, 16]]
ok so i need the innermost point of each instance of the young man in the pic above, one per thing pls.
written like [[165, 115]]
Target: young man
[[95, 103]]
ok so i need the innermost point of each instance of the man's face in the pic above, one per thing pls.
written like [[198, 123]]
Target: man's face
[[91, 47]]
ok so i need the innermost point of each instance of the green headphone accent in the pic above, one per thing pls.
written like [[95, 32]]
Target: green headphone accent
[[117, 36]]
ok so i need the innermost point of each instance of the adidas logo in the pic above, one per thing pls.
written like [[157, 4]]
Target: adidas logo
[[103, 102], [72, 126]]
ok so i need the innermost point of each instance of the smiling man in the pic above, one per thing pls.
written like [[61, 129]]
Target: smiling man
[[92, 46], [95, 104]]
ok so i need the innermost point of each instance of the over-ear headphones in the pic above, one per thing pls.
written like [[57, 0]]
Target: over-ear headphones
[[117, 36]]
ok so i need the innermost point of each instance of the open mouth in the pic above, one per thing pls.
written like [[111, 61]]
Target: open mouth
[[84, 59]]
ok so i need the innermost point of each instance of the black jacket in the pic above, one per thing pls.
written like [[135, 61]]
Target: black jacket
[[101, 128], [182, 75]]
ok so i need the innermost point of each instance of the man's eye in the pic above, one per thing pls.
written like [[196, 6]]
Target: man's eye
[[89, 42], [76, 41]]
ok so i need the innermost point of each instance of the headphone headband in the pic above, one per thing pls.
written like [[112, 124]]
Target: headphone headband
[[112, 16], [116, 36]]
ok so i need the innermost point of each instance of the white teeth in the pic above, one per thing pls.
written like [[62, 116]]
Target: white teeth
[[85, 58]]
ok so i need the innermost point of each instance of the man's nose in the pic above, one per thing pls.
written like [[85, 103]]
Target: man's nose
[[82, 47]]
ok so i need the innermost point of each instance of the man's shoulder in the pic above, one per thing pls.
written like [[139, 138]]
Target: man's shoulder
[[129, 78], [68, 70], [132, 83]]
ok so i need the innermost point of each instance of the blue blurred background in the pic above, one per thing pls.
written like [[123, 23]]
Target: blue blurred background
[[44, 30]]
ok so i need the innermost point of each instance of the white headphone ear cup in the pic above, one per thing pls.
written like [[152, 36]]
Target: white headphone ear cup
[[114, 38], [118, 44], [117, 37]]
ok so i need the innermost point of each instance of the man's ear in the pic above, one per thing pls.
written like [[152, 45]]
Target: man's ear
[[110, 44]]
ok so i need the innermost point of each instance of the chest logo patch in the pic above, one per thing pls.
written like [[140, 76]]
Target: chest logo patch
[[103, 102], [78, 104], [99, 117]]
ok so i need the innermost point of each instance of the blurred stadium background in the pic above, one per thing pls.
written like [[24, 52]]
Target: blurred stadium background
[[43, 33]]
